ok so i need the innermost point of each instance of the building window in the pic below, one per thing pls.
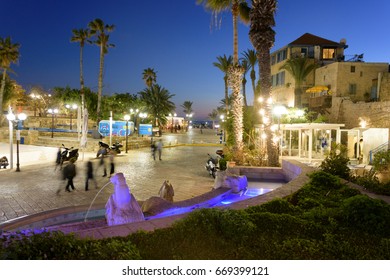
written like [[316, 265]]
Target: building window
[[273, 60], [361, 73], [353, 68], [352, 88], [328, 53], [304, 52], [278, 79], [282, 55]]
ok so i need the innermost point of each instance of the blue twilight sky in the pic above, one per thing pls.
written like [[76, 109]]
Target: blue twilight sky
[[175, 37]]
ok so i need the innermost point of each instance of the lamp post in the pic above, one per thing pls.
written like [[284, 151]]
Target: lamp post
[[52, 112], [14, 121], [222, 117], [127, 118], [172, 116], [70, 107], [189, 116]]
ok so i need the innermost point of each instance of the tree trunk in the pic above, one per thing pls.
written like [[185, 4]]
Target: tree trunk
[[100, 85], [1, 95]]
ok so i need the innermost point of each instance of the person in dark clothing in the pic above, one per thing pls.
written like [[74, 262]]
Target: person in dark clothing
[[69, 173], [103, 164], [58, 159], [90, 175], [112, 165]]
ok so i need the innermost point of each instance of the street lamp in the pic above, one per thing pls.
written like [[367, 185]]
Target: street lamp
[[189, 116], [70, 107], [14, 121], [174, 115], [127, 118], [222, 117], [52, 112]]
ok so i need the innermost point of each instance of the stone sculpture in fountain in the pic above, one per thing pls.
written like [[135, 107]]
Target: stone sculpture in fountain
[[122, 207]]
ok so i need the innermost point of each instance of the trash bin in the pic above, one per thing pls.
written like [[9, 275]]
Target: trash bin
[[21, 140]]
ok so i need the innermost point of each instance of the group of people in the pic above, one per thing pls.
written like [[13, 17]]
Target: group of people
[[69, 172]]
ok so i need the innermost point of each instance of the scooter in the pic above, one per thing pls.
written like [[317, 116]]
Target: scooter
[[212, 164], [69, 153], [116, 147]]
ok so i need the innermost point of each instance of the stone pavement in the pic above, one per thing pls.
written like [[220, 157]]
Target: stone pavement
[[33, 189]]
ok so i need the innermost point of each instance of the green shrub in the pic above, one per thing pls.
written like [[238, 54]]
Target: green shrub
[[365, 214], [58, 246], [277, 206], [336, 162]]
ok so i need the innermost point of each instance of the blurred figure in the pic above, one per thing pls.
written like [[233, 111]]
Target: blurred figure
[[112, 165], [69, 172], [90, 176], [102, 163], [58, 159], [159, 148], [153, 150]]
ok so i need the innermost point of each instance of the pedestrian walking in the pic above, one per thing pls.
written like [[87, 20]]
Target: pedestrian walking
[[159, 148], [58, 159], [90, 176], [112, 164], [69, 172], [102, 164], [153, 150]]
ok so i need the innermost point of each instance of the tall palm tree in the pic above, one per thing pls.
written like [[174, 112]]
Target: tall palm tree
[[149, 76], [245, 68], [81, 36], [262, 18], [299, 68], [9, 53], [213, 116], [158, 103], [251, 58], [224, 64], [187, 106], [101, 30], [239, 9]]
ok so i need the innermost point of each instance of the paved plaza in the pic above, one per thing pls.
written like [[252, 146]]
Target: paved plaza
[[33, 189]]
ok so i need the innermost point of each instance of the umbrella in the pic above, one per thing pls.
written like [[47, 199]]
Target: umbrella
[[317, 89]]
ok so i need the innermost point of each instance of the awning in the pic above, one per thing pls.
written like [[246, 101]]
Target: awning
[[317, 89]]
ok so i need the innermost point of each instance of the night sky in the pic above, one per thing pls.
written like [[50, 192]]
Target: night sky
[[175, 37]]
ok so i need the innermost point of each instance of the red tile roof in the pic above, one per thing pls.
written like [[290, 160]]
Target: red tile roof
[[310, 39]]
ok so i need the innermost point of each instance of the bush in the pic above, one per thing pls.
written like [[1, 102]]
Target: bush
[[365, 214], [276, 206], [336, 162], [58, 246]]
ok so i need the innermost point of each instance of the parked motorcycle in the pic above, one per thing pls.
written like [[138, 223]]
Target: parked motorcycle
[[69, 153], [116, 147], [212, 164]]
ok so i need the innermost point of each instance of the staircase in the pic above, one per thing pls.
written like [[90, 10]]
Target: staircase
[[381, 148]]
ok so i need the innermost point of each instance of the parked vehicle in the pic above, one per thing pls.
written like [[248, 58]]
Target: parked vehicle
[[116, 147], [212, 164], [68, 153], [3, 162]]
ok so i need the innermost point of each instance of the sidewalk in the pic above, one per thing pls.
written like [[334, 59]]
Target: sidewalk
[[33, 189]]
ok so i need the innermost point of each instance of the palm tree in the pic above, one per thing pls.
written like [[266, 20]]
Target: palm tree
[[262, 35], [158, 103], [213, 116], [245, 68], [9, 53], [224, 64], [251, 58], [187, 106], [101, 30], [299, 68], [239, 9], [81, 36], [149, 76]]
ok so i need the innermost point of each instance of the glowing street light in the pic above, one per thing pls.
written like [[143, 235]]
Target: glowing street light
[[52, 112], [70, 107], [127, 118], [14, 121]]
